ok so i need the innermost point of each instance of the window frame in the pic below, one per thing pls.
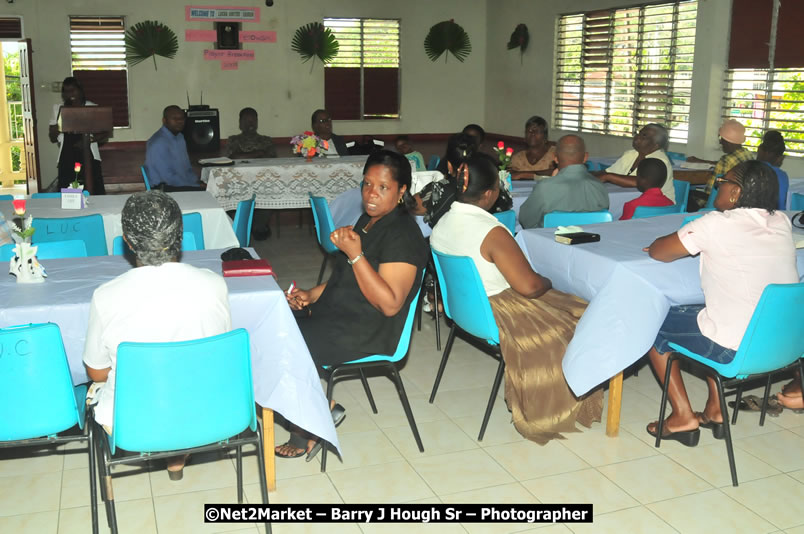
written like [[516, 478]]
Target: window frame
[[601, 46], [362, 97]]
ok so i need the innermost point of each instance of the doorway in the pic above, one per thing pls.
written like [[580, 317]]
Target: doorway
[[12, 150]]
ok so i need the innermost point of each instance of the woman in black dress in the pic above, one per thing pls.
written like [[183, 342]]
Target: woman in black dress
[[361, 309]]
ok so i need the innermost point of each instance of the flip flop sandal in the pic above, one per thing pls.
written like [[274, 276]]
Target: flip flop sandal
[[297, 442], [752, 403], [718, 430], [689, 438]]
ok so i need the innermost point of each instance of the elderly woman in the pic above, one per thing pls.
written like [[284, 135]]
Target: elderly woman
[[161, 300], [536, 322], [538, 159], [650, 142], [361, 309], [744, 246]]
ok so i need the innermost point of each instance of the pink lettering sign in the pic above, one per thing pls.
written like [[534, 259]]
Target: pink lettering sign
[[228, 65], [234, 55], [214, 54], [257, 37], [222, 13], [207, 36]]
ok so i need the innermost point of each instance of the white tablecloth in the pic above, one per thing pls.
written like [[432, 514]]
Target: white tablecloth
[[282, 183], [217, 226], [628, 292], [285, 378]]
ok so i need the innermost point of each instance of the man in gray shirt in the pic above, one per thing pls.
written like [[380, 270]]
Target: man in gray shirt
[[572, 189]]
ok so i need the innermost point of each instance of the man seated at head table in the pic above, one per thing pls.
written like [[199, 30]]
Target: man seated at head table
[[248, 143], [322, 127], [538, 159], [161, 300], [771, 152], [572, 189], [732, 137], [651, 175], [650, 142], [166, 160]]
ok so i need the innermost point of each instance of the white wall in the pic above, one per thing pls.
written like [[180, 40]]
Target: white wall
[[277, 83]]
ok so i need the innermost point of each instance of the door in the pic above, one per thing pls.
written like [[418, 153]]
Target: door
[[29, 117]]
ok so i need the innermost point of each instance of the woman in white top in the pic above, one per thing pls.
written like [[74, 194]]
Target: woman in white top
[[535, 321], [744, 246]]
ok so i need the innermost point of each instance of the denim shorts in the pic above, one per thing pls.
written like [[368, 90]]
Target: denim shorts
[[681, 327]]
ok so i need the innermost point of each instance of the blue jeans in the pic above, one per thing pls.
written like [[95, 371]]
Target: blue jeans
[[681, 327]]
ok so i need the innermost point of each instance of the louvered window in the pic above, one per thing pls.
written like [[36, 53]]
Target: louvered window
[[363, 80], [10, 28], [764, 85], [98, 52], [619, 69]]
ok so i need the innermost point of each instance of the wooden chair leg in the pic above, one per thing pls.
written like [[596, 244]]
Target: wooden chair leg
[[269, 458], [615, 404]]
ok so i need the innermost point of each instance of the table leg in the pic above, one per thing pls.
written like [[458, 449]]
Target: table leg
[[615, 403], [268, 447]]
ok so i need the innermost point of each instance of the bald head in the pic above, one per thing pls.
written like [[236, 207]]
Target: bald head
[[571, 150]]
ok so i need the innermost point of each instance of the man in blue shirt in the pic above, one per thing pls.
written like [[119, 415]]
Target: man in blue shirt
[[166, 159], [771, 152]]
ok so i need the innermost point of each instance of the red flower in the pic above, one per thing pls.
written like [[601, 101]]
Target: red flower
[[77, 167], [19, 207], [509, 151], [500, 145], [308, 133]]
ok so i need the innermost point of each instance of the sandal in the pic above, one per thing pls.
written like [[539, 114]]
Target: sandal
[[785, 406], [685, 437], [718, 429], [338, 415], [297, 442], [752, 403]]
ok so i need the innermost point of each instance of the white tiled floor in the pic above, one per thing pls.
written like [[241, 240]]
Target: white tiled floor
[[634, 487]]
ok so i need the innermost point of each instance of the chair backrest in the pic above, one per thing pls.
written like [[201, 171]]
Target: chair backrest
[[324, 225], [6, 197], [182, 394], [74, 248], [119, 247], [243, 219], [145, 178], [774, 337], [643, 212], [797, 202], [464, 297], [682, 193], [592, 166], [567, 218], [53, 195], [691, 218], [193, 224], [36, 389], [6, 252], [676, 156], [710, 202], [434, 162], [508, 218], [87, 228]]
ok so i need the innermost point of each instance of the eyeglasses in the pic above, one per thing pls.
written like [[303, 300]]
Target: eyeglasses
[[721, 180], [323, 121]]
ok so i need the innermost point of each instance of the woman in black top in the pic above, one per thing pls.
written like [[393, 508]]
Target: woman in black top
[[361, 309]]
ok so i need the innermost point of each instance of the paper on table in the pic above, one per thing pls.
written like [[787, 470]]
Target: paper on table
[[696, 166], [568, 230], [215, 161]]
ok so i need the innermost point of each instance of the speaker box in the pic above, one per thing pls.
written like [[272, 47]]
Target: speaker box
[[202, 131]]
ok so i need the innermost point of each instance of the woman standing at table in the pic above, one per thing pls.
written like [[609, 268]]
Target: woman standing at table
[[538, 159], [536, 322], [361, 309], [744, 246]]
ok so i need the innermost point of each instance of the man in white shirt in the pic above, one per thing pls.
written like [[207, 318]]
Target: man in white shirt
[[650, 142], [161, 300]]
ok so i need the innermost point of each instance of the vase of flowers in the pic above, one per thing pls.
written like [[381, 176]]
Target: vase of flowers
[[24, 264], [503, 160], [309, 145], [72, 197]]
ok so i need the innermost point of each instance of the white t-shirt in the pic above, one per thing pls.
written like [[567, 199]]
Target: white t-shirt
[[626, 161], [54, 120], [460, 232], [171, 302], [742, 251]]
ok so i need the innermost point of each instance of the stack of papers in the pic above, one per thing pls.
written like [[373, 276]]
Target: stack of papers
[[215, 161]]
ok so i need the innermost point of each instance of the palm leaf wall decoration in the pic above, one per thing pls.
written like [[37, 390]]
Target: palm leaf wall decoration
[[150, 39], [314, 40], [519, 39], [449, 37]]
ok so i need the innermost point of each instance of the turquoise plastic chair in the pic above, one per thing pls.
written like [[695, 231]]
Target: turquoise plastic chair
[[53, 195], [676, 156], [466, 303], [87, 228], [54, 250], [6, 197], [710, 202], [193, 224], [682, 193], [762, 352], [324, 226], [568, 218], [155, 385], [592, 166], [434, 162], [508, 218], [38, 396], [119, 247], [145, 178], [243, 219], [643, 212], [797, 202], [382, 361]]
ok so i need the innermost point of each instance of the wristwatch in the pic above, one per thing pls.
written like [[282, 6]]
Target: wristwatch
[[355, 259]]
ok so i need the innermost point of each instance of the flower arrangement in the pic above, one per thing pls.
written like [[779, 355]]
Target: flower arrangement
[[77, 170], [23, 231], [309, 145], [503, 155]]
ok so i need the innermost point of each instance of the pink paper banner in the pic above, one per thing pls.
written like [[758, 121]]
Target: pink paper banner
[[228, 65], [258, 37], [207, 36], [232, 55], [222, 13]]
